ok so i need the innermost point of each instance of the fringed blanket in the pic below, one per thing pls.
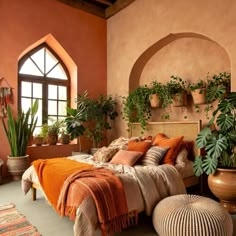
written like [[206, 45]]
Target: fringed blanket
[[105, 188]]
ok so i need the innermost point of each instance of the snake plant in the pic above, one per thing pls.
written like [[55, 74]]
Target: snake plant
[[18, 130]]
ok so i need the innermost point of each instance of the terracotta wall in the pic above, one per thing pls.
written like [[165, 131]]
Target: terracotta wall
[[160, 38], [83, 36]]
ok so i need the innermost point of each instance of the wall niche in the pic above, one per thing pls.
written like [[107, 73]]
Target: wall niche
[[188, 55]]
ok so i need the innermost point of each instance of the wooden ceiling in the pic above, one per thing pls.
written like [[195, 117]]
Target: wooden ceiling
[[101, 8]]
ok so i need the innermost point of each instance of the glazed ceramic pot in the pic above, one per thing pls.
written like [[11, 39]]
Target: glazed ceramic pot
[[223, 185]]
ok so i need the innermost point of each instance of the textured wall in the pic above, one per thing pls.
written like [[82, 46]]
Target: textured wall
[[189, 39], [81, 35]]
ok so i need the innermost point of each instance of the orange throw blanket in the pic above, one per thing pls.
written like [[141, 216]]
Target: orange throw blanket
[[52, 173], [105, 188]]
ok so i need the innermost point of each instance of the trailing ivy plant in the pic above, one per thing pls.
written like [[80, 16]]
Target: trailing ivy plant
[[136, 106]]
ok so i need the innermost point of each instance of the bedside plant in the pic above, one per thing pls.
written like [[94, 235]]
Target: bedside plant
[[219, 160]]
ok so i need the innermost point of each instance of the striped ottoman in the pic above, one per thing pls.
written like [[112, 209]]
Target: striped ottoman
[[191, 215]]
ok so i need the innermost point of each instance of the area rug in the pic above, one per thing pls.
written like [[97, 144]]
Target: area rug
[[13, 223]]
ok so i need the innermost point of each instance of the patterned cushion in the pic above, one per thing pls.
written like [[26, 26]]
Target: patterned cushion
[[154, 155], [105, 154]]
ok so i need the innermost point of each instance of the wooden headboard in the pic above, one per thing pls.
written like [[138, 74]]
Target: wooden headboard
[[189, 129]]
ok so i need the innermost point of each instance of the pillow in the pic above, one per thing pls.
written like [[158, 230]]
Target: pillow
[[173, 144], [120, 143], [105, 154], [139, 146], [182, 156], [154, 155], [125, 157], [189, 146]]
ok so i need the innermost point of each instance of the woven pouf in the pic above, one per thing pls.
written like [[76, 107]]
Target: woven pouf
[[191, 215]]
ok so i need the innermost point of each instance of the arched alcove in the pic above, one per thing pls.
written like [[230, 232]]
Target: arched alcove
[[188, 55]]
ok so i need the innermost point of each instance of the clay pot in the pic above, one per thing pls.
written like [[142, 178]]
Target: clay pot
[[52, 139], [223, 185], [178, 100], [17, 165], [155, 101], [199, 96]]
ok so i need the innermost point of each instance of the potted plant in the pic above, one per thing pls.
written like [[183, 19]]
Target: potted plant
[[53, 131], [18, 131], [176, 91], [38, 139], [198, 92], [97, 113], [156, 94], [136, 106], [64, 137], [219, 144]]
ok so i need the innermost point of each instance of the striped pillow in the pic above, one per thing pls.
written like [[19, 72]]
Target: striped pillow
[[154, 155]]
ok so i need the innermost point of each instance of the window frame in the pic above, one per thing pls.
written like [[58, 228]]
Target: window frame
[[44, 80]]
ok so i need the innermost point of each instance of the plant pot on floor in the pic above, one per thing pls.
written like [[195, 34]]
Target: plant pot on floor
[[223, 185], [17, 165]]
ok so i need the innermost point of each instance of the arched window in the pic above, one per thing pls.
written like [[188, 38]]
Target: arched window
[[42, 75]]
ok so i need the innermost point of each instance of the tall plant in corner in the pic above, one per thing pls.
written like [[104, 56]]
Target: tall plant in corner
[[18, 130]]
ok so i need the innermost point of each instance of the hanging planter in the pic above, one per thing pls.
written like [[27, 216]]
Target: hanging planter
[[155, 101], [178, 100], [199, 96]]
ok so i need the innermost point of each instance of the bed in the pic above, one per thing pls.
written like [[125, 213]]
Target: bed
[[149, 184]]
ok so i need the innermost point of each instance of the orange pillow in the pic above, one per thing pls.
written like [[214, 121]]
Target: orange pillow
[[139, 146], [174, 145], [126, 157]]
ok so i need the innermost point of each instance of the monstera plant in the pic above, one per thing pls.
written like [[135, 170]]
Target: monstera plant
[[218, 143]]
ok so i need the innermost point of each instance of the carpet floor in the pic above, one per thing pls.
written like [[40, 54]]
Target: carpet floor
[[40, 214]]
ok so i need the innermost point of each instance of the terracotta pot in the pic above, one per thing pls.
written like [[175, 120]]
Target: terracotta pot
[[38, 141], [17, 165], [178, 100], [223, 186], [65, 139], [199, 96], [52, 139], [155, 100]]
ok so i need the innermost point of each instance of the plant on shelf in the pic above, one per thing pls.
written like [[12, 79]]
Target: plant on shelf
[[53, 131], [136, 106], [98, 114], [176, 91], [219, 146], [74, 123], [156, 94], [18, 131], [198, 92]]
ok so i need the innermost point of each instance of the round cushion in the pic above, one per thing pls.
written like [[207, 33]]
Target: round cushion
[[191, 215]]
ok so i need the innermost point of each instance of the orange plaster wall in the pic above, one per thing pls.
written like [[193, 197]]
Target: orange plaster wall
[[142, 24], [81, 35]]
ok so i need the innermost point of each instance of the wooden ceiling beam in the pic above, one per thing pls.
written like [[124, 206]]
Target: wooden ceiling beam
[[116, 7], [105, 2], [85, 6]]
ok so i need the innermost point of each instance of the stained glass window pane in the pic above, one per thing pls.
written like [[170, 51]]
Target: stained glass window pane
[[62, 108], [26, 90], [62, 93], [29, 68], [50, 60], [37, 90], [52, 91], [57, 72], [52, 107], [38, 58]]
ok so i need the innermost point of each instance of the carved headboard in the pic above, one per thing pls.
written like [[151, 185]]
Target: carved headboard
[[189, 129]]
